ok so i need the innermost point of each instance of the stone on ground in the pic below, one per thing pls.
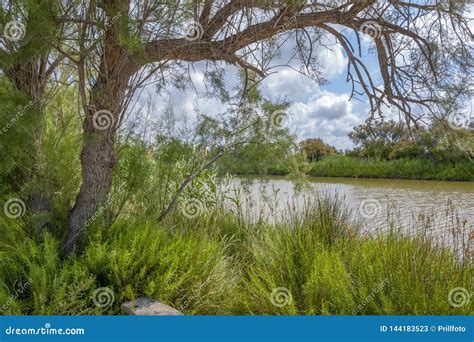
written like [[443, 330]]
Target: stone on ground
[[148, 307]]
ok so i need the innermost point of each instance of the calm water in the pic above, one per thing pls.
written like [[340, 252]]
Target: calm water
[[407, 202]]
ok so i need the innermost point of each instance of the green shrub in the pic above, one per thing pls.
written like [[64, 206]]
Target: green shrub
[[184, 270], [345, 166], [218, 264]]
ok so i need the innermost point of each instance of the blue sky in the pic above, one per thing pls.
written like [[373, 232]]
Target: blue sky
[[316, 110], [322, 111]]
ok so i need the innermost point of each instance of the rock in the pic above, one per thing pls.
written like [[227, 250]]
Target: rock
[[144, 306]]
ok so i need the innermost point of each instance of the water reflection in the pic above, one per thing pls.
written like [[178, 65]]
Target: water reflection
[[414, 205]]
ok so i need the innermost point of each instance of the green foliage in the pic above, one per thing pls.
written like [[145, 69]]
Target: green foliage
[[389, 274], [218, 264], [390, 140], [185, 270], [345, 166], [315, 149], [18, 127]]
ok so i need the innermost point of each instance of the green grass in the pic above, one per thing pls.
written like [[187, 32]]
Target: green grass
[[217, 264], [344, 166]]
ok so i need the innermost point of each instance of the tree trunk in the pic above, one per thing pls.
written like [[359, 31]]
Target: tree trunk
[[98, 157]]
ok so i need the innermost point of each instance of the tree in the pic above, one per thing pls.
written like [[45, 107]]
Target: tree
[[422, 50], [377, 138], [315, 149], [28, 62], [394, 140]]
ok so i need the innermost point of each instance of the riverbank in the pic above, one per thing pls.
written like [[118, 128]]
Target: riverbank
[[216, 263], [352, 167], [421, 169]]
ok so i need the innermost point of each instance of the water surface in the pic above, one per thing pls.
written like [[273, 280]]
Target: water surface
[[412, 204]]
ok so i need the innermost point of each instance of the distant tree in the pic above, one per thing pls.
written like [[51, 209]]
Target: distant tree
[[257, 134], [394, 140], [315, 149], [377, 138]]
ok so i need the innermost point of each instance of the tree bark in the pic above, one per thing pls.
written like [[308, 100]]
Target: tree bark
[[98, 157]]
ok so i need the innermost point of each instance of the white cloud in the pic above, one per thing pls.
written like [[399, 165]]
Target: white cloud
[[333, 61], [318, 112], [328, 116]]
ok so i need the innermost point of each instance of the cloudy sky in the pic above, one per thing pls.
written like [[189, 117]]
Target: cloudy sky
[[316, 110]]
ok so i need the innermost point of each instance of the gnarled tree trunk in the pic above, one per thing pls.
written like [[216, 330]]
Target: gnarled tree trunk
[[98, 156]]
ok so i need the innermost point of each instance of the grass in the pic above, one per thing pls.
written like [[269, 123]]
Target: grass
[[344, 166], [318, 263]]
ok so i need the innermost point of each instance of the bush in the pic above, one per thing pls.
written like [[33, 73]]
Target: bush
[[187, 271], [216, 263], [345, 166]]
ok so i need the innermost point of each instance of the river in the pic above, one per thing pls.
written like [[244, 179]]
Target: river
[[438, 207]]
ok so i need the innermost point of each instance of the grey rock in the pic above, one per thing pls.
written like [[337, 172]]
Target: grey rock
[[144, 306]]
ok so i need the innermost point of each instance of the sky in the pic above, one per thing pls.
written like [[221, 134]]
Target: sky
[[322, 111]]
